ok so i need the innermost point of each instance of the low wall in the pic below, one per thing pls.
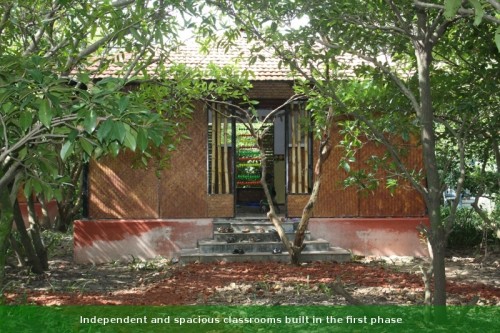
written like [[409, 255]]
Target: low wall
[[373, 236], [99, 241], [52, 212]]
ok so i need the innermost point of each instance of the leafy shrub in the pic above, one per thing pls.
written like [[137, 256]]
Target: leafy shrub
[[467, 229]]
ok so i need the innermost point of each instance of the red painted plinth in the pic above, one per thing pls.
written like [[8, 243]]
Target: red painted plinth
[[99, 241], [373, 236]]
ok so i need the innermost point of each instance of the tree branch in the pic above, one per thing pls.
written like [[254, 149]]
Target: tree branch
[[494, 3], [92, 48], [363, 24], [9, 175], [6, 139], [399, 17], [39, 34], [276, 110], [122, 3], [5, 17], [462, 11], [406, 91]]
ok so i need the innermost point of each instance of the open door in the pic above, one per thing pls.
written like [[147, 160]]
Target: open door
[[220, 161]]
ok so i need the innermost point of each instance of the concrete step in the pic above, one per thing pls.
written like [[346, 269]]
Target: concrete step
[[251, 226], [257, 237], [263, 236], [332, 254], [213, 246]]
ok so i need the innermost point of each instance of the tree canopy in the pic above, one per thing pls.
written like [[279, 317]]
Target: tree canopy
[[396, 69]]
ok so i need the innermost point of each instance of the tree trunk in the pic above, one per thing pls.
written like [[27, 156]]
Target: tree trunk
[[6, 217], [324, 152], [36, 235], [16, 247], [32, 258], [272, 212], [70, 205], [425, 114], [496, 152]]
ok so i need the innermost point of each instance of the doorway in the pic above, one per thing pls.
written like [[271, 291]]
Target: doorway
[[250, 199]]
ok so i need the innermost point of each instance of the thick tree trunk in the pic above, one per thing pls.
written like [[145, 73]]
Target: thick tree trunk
[[437, 237]]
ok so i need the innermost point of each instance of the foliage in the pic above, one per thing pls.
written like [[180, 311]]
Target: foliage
[[394, 61], [467, 231], [64, 77]]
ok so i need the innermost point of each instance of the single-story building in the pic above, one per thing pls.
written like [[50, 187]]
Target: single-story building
[[213, 175]]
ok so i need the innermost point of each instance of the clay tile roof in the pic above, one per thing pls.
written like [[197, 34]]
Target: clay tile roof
[[266, 69], [190, 54]]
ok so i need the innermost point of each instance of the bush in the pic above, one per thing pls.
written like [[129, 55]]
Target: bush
[[467, 230]]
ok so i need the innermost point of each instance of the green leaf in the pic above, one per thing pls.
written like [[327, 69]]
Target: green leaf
[[104, 130], [36, 75], [83, 77], [118, 131], [45, 113], [345, 165], [37, 186], [405, 136], [451, 8], [130, 141], [25, 120], [8, 107], [58, 194], [478, 11], [90, 122], [274, 27], [114, 148], [123, 103], [66, 149], [142, 139], [27, 188], [23, 152], [87, 147]]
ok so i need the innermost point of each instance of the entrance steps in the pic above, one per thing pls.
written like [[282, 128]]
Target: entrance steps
[[259, 241]]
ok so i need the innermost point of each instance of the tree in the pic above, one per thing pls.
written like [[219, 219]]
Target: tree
[[394, 39], [54, 103]]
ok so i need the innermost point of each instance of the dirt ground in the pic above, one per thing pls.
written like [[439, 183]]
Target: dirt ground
[[394, 280]]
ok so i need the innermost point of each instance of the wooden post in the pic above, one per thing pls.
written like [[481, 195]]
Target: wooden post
[[292, 122], [306, 153], [219, 152], [213, 152], [299, 151], [226, 167]]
